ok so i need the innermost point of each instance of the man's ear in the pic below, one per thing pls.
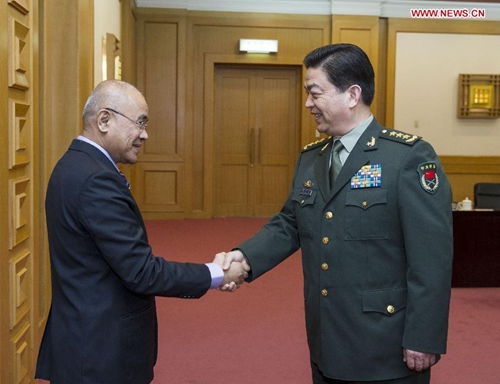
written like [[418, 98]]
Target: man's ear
[[354, 92], [103, 117]]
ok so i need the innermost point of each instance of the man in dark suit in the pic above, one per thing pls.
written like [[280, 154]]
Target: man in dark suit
[[370, 207], [102, 324]]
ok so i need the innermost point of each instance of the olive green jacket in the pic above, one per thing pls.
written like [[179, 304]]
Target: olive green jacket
[[376, 253]]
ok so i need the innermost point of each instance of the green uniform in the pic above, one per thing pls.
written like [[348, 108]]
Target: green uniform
[[376, 253]]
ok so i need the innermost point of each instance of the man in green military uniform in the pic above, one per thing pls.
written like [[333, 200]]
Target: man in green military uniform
[[370, 207]]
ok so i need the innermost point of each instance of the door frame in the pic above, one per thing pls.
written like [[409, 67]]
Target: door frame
[[306, 124]]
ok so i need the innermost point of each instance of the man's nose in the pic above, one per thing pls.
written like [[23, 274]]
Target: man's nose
[[309, 103]]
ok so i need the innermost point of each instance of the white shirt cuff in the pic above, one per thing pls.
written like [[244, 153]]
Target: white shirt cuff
[[217, 274]]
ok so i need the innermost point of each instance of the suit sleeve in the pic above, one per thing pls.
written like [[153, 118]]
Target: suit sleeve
[[277, 240], [426, 219], [107, 213]]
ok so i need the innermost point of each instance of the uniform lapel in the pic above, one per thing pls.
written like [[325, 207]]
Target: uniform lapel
[[358, 157], [321, 170]]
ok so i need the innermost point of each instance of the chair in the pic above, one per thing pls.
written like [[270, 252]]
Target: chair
[[487, 195]]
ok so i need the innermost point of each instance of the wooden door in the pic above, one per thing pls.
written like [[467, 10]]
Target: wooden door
[[256, 138]]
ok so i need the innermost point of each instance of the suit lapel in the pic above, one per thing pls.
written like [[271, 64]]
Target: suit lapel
[[321, 170], [358, 157]]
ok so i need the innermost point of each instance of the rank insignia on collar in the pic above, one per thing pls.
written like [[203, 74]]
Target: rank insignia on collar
[[428, 177], [369, 176]]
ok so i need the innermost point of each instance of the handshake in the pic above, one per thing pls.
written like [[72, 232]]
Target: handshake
[[235, 269]]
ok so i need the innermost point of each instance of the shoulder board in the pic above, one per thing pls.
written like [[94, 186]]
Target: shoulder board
[[398, 136], [315, 144]]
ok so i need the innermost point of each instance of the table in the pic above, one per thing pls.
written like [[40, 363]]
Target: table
[[476, 256]]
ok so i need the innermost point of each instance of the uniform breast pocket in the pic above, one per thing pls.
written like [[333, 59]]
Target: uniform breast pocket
[[304, 210], [366, 214]]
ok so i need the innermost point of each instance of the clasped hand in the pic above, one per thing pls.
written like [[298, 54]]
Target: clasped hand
[[235, 269]]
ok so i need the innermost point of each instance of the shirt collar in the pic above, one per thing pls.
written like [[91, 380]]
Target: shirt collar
[[350, 139], [93, 143]]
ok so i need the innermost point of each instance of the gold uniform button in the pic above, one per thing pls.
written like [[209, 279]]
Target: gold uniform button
[[324, 266], [364, 203], [325, 240], [390, 309], [329, 215], [324, 292], [302, 201]]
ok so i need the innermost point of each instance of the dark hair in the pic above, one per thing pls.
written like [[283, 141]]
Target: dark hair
[[345, 65]]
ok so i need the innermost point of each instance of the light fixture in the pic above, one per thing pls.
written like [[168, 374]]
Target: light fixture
[[258, 46]]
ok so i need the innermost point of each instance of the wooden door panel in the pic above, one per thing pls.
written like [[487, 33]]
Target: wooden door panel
[[232, 191], [233, 121], [256, 138], [275, 117], [235, 116], [273, 185]]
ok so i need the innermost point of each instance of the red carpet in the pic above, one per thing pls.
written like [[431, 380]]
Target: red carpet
[[257, 336]]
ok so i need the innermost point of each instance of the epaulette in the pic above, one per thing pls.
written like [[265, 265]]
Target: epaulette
[[315, 144], [400, 137]]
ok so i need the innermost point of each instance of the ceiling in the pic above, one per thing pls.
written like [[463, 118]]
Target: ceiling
[[383, 8]]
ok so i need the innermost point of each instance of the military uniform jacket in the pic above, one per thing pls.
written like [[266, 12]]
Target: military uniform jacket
[[102, 325], [376, 253]]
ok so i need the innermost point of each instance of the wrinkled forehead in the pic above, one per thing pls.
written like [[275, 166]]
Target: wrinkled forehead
[[316, 78]]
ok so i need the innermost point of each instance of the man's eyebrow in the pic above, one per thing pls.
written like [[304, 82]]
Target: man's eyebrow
[[143, 117], [311, 86]]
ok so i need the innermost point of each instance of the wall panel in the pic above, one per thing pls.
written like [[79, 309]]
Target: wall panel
[[176, 57], [160, 87], [465, 171], [17, 192], [370, 34], [42, 89], [159, 185]]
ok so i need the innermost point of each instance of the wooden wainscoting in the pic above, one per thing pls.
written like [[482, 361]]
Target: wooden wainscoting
[[465, 171], [46, 77], [18, 189], [177, 55]]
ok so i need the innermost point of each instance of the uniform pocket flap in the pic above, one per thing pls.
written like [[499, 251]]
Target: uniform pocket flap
[[365, 198], [386, 301], [305, 196]]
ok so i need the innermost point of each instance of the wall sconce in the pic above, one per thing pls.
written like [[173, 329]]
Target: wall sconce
[[258, 46], [478, 96]]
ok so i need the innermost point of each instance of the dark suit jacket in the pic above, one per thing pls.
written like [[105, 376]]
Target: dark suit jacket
[[102, 323], [376, 260]]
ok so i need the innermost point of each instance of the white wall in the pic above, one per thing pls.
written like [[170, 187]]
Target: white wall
[[106, 19], [427, 69]]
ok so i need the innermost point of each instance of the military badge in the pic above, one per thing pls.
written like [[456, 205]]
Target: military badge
[[369, 176], [306, 192], [429, 179]]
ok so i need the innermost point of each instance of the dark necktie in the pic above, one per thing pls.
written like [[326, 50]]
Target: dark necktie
[[125, 180], [336, 164]]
